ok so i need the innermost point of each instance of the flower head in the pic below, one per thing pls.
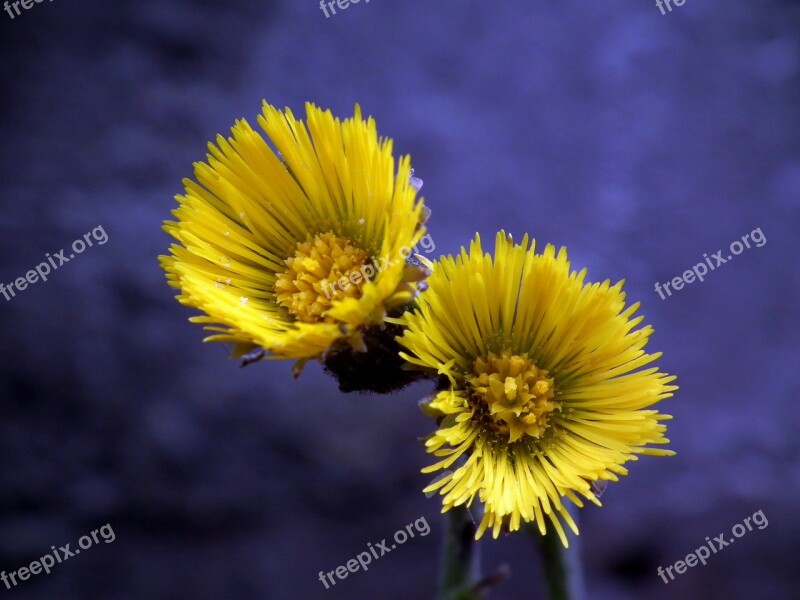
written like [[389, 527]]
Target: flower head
[[545, 388], [293, 249]]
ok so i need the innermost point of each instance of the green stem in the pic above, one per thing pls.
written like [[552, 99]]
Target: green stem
[[562, 566], [461, 562]]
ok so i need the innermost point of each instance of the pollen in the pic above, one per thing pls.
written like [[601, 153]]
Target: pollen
[[325, 269], [512, 395]]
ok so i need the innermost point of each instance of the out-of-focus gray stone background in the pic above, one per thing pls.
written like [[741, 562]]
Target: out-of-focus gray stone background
[[639, 140]]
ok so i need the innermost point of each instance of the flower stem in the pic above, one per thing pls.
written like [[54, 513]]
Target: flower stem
[[562, 566], [461, 562]]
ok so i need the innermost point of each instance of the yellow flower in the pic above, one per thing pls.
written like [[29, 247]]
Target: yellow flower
[[293, 249], [544, 386]]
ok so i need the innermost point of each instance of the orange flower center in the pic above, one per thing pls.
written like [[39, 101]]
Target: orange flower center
[[516, 396], [323, 269]]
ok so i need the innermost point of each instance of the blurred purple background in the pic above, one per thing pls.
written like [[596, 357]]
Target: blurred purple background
[[639, 140]]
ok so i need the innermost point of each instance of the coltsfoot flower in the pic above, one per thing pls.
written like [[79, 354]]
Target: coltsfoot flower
[[294, 249], [545, 386]]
